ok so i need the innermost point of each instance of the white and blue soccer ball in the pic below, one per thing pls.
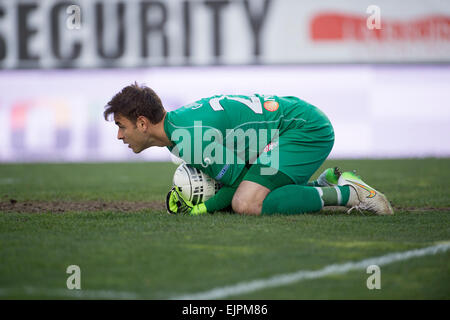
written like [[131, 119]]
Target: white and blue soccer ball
[[195, 186]]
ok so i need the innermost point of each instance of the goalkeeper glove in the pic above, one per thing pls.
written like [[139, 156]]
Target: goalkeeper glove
[[177, 203]]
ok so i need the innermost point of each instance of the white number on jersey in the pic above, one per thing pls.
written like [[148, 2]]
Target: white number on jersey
[[253, 103]]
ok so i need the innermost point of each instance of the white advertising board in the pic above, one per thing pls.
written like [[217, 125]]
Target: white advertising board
[[377, 111], [139, 33]]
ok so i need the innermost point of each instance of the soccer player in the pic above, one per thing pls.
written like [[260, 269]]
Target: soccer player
[[262, 148]]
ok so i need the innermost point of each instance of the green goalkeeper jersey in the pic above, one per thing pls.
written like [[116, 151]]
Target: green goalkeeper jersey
[[220, 135]]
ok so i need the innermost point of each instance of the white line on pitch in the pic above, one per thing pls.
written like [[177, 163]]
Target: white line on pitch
[[240, 288], [289, 278]]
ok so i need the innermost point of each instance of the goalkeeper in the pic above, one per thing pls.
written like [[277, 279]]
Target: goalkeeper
[[263, 149]]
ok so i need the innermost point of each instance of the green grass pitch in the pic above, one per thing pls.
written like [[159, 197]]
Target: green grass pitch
[[144, 253]]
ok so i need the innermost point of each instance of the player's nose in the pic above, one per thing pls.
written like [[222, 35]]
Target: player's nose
[[120, 135]]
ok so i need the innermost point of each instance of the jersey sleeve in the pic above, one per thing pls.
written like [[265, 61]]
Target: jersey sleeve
[[213, 161]]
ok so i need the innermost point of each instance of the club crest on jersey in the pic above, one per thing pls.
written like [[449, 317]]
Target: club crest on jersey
[[271, 105]]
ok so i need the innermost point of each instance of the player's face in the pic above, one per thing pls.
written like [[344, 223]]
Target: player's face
[[130, 134]]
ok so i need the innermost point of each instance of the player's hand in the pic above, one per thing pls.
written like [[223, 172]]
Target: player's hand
[[176, 203]]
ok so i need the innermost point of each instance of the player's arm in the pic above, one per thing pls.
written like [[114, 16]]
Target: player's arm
[[230, 175], [177, 203], [222, 199]]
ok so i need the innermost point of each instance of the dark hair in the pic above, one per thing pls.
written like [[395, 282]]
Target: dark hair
[[134, 101]]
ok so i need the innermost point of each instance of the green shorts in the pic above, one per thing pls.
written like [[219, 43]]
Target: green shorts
[[293, 157]]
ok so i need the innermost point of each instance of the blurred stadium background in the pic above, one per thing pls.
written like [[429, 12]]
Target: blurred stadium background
[[380, 69], [385, 90]]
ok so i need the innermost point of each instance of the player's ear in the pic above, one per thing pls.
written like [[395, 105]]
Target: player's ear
[[142, 123]]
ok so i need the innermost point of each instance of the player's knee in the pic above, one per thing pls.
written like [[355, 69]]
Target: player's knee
[[238, 205], [249, 197], [245, 206]]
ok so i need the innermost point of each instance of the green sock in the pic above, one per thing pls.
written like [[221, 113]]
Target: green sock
[[295, 199], [292, 199], [334, 196]]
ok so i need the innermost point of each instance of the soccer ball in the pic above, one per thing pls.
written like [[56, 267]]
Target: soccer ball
[[195, 186]]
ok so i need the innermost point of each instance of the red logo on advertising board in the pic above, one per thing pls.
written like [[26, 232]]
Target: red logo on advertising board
[[341, 27]]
